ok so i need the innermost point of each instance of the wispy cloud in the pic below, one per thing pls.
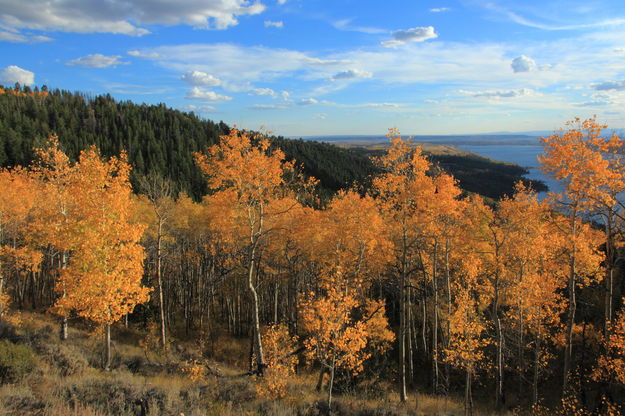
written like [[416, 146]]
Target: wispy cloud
[[277, 25], [550, 23], [546, 26], [139, 54], [17, 37], [231, 63], [439, 9], [610, 85], [346, 25], [379, 105], [522, 92], [264, 107], [96, 60], [264, 91], [200, 108]]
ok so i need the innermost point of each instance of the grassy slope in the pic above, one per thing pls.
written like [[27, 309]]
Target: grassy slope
[[66, 380]]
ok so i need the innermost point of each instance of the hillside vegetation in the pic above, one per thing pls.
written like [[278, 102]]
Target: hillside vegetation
[[161, 141], [367, 304]]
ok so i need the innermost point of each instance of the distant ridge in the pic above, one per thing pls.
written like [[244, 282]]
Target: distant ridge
[[531, 137], [469, 139]]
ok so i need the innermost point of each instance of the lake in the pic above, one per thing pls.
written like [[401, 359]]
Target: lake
[[522, 155]]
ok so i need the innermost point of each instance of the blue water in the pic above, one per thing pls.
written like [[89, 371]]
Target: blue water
[[521, 155]]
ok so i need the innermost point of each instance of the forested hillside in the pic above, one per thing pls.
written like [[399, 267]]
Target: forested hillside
[[158, 139], [161, 141]]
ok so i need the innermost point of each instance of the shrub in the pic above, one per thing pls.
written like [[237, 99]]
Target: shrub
[[134, 363], [123, 394], [236, 392], [118, 396], [19, 401], [8, 331], [15, 361], [68, 361], [65, 409]]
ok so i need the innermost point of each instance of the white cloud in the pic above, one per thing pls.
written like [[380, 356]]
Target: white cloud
[[264, 107], [197, 93], [548, 17], [231, 63], [475, 66], [139, 54], [16, 37], [200, 79], [320, 116], [97, 61], [522, 92], [439, 9], [351, 74], [307, 101], [526, 22], [596, 103], [123, 16], [278, 25], [523, 64], [327, 62], [610, 85], [379, 105], [200, 108], [12, 74], [416, 34], [619, 50], [281, 2], [264, 91]]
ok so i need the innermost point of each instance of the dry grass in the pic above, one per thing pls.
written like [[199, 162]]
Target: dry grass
[[154, 385]]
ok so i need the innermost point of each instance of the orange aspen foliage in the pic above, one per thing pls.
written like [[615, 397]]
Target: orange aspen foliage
[[18, 249], [250, 184], [405, 195], [18, 199], [586, 163], [575, 158], [350, 237], [281, 363], [340, 327], [610, 367], [55, 174], [103, 279], [471, 295], [467, 343]]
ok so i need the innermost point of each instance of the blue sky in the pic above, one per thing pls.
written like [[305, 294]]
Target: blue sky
[[310, 67]]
